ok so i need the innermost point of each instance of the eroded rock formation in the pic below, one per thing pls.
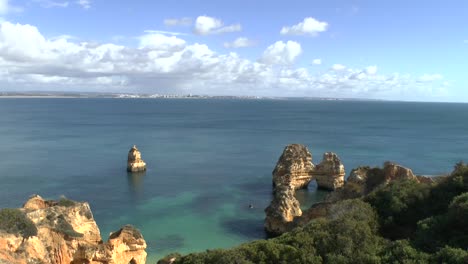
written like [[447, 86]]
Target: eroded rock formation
[[135, 163], [67, 233], [394, 171], [330, 173], [282, 210], [293, 171], [363, 180], [294, 167]]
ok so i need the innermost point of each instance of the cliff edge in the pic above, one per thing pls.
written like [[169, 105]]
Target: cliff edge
[[64, 231]]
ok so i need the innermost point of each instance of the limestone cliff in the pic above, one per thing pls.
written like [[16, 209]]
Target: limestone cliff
[[330, 173], [294, 167], [135, 163], [282, 210], [67, 233]]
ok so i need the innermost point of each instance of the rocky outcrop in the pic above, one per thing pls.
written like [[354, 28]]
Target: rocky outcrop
[[295, 170], [330, 173], [67, 233], [363, 180], [282, 210], [394, 171], [135, 163], [315, 211], [294, 167]]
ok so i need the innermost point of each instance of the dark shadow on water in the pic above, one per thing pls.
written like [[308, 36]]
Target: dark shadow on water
[[171, 242], [311, 195], [247, 228], [136, 182], [207, 203]]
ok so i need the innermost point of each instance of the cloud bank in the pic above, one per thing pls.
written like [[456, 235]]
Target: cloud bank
[[162, 63]]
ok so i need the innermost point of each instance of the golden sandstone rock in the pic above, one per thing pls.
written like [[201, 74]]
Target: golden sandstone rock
[[295, 170], [282, 210], [67, 233], [135, 163], [330, 173], [294, 167]]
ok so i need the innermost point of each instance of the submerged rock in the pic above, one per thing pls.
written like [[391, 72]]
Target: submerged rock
[[135, 163], [67, 233], [330, 173], [294, 167], [282, 210]]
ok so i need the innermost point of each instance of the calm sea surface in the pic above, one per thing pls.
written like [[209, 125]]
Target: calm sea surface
[[207, 159]]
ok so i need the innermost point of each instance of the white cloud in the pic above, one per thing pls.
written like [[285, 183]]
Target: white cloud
[[168, 64], [317, 61], [240, 42], [338, 67], [310, 26], [184, 21], [51, 4], [371, 69], [86, 4], [281, 53], [156, 41], [172, 33], [205, 25], [430, 77]]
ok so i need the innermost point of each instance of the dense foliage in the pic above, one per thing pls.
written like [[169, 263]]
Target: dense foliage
[[402, 222], [14, 221]]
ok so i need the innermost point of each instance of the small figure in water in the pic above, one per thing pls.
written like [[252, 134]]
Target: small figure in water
[[250, 206]]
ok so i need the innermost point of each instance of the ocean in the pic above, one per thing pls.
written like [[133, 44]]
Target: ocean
[[207, 159]]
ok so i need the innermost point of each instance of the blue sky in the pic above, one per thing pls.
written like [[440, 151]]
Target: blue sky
[[398, 50]]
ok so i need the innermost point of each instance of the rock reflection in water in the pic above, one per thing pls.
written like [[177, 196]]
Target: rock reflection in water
[[136, 182]]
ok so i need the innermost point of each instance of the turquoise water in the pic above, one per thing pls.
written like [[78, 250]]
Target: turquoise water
[[207, 159]]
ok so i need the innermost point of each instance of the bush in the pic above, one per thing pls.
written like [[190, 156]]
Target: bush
[[446, 229], [400, 205], [15, 221], [65, 202], [349, 235], [450, 255], [64, 227], [401, 251]]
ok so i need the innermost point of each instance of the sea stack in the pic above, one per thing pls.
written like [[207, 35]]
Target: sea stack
[[135, 163], [282, 210], [294, 167], [330, 173]]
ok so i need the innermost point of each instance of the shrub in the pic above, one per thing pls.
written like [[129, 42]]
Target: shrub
[[446, 229], [400, 205], [62, 226], [401, 251], [450, 255], [15, 221], [66, 202]]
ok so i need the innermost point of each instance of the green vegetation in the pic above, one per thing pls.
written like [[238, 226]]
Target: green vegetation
[[14, 221], [402, 222], [65, 202], [62, 226]]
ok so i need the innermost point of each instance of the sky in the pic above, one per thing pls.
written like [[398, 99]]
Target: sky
[[392, 50]]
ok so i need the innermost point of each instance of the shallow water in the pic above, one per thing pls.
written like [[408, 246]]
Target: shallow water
[[207, 159]]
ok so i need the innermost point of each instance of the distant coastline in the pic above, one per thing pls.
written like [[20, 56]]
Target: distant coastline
[[19, 95]]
